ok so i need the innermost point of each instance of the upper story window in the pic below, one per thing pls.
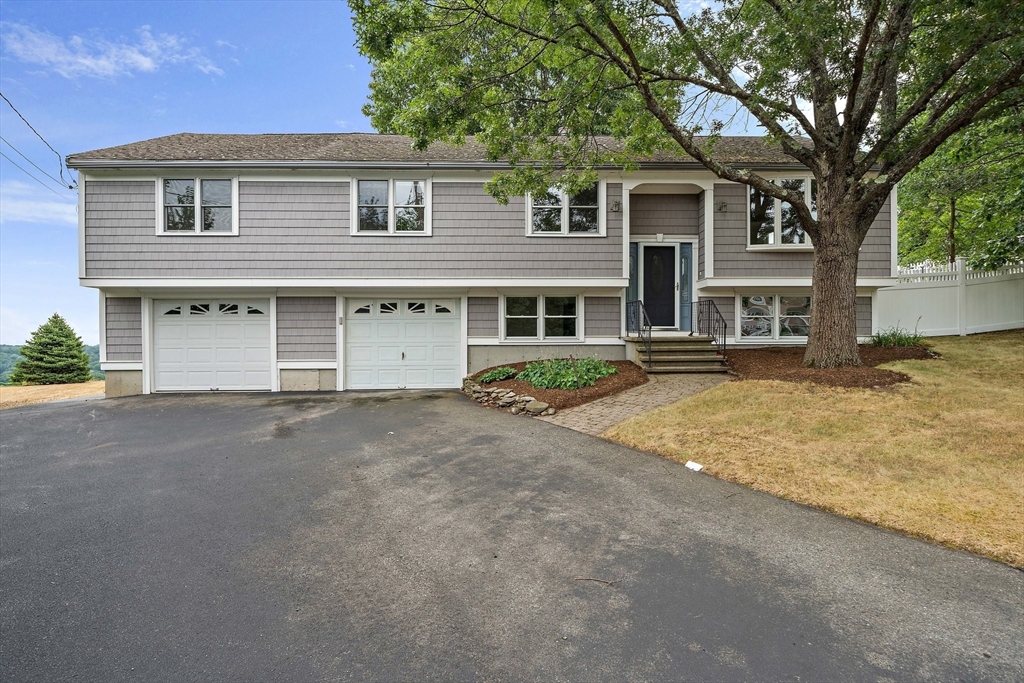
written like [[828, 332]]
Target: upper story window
[[774, 223], [395, 206], [198, 205], [561, 213]]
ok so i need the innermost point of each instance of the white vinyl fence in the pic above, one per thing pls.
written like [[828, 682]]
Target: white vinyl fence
[[950, 300]]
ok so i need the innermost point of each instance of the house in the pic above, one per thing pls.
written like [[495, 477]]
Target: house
[[352, 261]]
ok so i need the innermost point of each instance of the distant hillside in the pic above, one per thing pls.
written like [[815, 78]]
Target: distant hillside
[[9, 355]]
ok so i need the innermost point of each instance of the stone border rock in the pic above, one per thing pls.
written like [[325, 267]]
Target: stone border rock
[[505, 399]]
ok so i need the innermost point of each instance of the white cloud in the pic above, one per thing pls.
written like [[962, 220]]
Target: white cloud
[[341, 123], [100, 58], [224, 43], [23, 203]]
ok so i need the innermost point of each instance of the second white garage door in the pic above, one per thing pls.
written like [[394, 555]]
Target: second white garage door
[[402, 344]]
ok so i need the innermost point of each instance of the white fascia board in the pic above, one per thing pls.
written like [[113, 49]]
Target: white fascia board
[[589, 341], [768, 282], [108, 365], [393, 284], [327, 364]]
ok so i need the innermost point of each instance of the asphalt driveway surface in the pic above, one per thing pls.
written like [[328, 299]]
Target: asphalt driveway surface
[[418, 536]]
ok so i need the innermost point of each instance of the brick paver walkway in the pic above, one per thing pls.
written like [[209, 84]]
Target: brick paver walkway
[[597, 416]]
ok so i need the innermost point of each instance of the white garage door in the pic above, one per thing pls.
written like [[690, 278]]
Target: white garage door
[[212, 344], [402, 344]]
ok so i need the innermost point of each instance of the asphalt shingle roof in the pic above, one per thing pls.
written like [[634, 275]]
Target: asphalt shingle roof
[[363, 147]]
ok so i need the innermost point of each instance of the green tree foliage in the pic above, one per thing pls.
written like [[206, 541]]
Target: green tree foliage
[[967, 199], [859, 91], [53, 355]]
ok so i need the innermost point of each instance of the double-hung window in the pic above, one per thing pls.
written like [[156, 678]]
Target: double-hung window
[[560, 213], [773, 222], [396, 207], [774, 316], [198, 205], [541, 317]]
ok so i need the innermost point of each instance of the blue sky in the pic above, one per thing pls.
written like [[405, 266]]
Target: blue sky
[[94, 74]]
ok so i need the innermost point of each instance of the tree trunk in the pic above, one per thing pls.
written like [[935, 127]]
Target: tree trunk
[[833, 338]]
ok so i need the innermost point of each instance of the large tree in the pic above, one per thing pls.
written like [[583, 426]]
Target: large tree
[[53, 355], [859, 91]]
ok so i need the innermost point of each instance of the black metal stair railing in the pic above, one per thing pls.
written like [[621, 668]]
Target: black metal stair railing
[[638, 324], [707, 321]]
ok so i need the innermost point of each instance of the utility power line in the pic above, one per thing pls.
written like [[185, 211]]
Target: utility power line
[[32, 162], [31, 176], [60, 159]]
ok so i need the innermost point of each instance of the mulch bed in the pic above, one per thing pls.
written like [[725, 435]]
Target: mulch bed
[[785, 364], [628, 376]]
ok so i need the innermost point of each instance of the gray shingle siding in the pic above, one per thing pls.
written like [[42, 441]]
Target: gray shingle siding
[[306, 328], [482, 316], [864, 316], [602, 316], [301, 229], [123, 333], [670, 214], [733, 260]]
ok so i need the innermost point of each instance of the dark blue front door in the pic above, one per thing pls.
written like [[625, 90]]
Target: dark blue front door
[[660, 285]]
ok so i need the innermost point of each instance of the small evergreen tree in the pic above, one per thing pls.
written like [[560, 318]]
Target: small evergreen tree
[[53, 355]]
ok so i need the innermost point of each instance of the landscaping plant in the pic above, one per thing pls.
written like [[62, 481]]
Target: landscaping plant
[[497, 374], [54, 355], [896, 336], [562, 373]]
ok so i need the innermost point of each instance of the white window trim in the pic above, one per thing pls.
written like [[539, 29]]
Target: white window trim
[[540, 322], [161, 217], [776, 314], [427, 208], [779, 246], [602, 216]]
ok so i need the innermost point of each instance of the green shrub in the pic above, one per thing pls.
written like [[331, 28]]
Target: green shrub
[[896, 336], [497, 374], [564, 373]]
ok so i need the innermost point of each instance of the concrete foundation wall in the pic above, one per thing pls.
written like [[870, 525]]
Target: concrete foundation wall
[[481, 357], [123, 383], [309, 380]]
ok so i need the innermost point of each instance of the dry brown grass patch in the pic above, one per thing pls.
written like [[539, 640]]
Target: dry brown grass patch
[[12, 397], [941, 458]]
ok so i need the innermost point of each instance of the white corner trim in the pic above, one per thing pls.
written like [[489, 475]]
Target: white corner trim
[[624, 208], [464, 334], [147, 346], [109, 365], [894, 237], [103, 325], [709, 232], [81, 225], [275, 373], [339, 321], [326, 364]]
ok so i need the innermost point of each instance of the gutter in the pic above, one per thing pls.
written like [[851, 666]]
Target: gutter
[[114, 164]]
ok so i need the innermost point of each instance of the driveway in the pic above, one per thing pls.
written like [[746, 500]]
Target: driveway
[[417, 536]]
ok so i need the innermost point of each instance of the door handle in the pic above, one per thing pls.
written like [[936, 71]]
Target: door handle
[[403, 355]]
